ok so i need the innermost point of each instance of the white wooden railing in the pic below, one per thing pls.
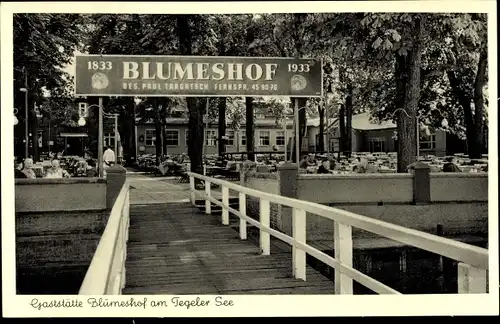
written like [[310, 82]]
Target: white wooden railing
[[473, 261], [106, 273]]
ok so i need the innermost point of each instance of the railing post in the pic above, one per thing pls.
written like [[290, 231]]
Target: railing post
[[243, 211], [471, 280], [225, 205], [299, 235], [265, 238], [343, 254], [208, 203], [192, 190]]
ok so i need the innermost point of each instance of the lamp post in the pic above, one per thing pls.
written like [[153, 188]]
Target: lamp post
[[285, 135], [81, 122], [296, 132], [26, 125], [137, 101], [15, 120], [329, 97]]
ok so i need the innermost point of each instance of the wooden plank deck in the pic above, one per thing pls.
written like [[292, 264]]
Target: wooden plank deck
[[173, 248]]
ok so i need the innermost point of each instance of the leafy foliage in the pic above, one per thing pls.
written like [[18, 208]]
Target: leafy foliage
[[360, 52]]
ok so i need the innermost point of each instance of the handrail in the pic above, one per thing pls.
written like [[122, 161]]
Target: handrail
[[100, 272], [452, 249], [471, 255]]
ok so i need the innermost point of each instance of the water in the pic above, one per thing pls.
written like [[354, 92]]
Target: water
[[421, 276], [50, 281]]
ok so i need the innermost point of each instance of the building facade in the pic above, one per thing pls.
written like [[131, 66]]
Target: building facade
[[370, 136], [268, 137]]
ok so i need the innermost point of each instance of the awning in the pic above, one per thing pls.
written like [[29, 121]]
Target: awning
[[73, 135]]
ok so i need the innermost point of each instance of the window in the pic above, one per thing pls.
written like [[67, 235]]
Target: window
[[211, 137], [280, 138], [376, 145], [109, 139], [150, 137], [187, 136], [264, 138], [172, 137], [230, 137], [243, 137], [428, 142]]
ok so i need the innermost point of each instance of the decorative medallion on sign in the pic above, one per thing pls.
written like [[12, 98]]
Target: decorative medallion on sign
[[99, 81], [299, 83]]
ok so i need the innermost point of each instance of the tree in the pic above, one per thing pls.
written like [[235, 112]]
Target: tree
[[402, 35], [228, 44], [467, 73], [43, 45]]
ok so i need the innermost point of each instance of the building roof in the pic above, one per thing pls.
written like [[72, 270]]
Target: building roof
[[271, 122], [362, 122]]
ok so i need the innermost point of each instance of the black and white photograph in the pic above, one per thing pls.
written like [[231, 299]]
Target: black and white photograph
[[176, 161]]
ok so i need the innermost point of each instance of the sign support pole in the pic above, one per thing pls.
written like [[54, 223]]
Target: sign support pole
[[100, 140], [116, 138], [327, 127], [286, 139], [297, 132]]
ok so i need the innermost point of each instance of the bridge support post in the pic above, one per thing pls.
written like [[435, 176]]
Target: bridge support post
[[472, 280], [243, 211], [265, 238], [192, 190], [115, 178], [299, 234], [225, 205], [208, 203], [343, 254]]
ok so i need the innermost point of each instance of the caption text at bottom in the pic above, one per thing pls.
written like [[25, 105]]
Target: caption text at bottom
[[185, 302]]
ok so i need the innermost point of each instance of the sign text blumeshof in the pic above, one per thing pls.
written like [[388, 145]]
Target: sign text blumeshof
[[198, 71]]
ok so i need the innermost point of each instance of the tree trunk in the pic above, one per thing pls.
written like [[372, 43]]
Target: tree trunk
[[164, 138], [34, 136], [477, 141], [222, 125], [321, 140], [195, 125], [129, 147], [407, 136], [342, 144], [249, 128], [196, 135], [302, 122], [474, 125], [158, 141], [348, 113]]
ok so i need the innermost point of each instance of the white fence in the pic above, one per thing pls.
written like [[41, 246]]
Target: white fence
[[473, 261], [106, 273]]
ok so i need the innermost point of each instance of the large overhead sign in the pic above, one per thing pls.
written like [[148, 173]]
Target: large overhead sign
[[197, 76]]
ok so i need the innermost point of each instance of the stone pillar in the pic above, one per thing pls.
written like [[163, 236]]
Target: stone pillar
[[115, 178], [421, 183], [288, 187]]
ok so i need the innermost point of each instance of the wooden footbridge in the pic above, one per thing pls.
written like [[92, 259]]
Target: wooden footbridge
[[203, 242]]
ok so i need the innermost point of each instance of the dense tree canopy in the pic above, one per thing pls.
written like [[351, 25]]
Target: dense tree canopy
[[429, 65]]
